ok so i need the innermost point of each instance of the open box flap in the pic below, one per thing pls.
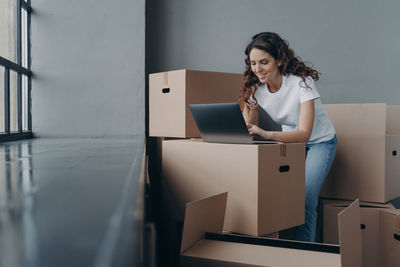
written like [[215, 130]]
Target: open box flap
[[350, 235], [204, 215]]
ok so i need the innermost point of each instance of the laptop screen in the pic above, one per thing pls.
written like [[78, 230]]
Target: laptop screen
[[221, 123]]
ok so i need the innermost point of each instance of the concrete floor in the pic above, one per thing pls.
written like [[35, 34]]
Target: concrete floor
[[69, 202]]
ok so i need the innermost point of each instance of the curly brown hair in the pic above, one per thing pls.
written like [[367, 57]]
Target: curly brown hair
[[280, 51]]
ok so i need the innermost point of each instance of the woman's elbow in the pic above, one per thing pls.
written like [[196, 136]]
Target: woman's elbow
[[305, 136]]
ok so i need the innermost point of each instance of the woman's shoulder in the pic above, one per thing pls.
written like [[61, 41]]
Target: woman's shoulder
[[294, 80]]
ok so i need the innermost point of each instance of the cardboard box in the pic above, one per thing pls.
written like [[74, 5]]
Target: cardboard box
[[370, 230], [170, 94], [367, 162], [202, 248], [266, 182], [390, 237]]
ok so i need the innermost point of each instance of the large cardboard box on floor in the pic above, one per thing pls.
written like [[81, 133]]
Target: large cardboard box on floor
[[367, 162], [266, 182], [170, 94], [203, 245], [390, 237], [370, 227]]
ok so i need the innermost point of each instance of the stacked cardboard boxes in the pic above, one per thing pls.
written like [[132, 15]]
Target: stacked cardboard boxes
[[261, 178], [366, 166], [170, 94], [265, 183]]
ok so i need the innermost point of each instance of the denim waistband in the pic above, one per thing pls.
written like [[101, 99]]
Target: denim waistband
[[333, 140]]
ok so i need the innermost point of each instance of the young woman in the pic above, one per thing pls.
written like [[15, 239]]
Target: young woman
[[280, 83]]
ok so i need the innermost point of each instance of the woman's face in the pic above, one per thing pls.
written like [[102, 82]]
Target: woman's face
[[264, 66]]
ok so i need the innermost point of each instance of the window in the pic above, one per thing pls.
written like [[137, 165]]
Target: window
[[15, 74]]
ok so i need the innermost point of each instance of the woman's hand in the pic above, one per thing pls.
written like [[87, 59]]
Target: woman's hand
[[256, 131]]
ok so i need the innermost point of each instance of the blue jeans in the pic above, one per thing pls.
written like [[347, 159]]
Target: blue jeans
[[319, 158]]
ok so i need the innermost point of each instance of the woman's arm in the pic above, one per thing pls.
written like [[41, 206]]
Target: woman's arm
[[250, 114], [302, 135]]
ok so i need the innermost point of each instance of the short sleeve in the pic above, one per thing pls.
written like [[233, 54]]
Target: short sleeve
[[252, 100], [308, 93]]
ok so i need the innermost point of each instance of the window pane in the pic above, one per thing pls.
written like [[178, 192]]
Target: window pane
[[24, 37], [13, 102], [24, 103], [8, 29], [2, 128]]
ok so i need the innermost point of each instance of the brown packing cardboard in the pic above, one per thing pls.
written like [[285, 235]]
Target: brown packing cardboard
[[265, 182], [170, 94], [390, 237], [370, 230], [367, 162], [198, 250]]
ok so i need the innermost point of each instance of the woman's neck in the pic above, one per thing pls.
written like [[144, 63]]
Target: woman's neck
[[275, 85]]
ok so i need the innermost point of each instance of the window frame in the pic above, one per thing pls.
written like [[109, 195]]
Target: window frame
[[17, 67]]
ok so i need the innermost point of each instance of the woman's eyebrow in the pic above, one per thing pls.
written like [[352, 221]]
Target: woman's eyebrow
[[262, 59]]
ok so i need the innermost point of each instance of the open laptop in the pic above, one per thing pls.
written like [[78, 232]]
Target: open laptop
[[222, 123]]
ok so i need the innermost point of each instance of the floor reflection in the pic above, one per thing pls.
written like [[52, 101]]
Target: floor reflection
[[58, 198], [18, 245]]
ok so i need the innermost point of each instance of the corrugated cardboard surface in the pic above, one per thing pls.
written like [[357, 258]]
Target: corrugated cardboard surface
[[282, 181], [169, 114], [390, 238], [392, 169], [392, 120], [370, 231], [350, 235], [254, 255], [360, 166], [193, 170], [202, 262], [167, 110]]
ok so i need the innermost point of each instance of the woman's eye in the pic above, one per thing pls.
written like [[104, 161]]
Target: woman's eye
[[264, 62]]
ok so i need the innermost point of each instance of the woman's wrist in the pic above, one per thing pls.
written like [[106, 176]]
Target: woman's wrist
[[267, 134]]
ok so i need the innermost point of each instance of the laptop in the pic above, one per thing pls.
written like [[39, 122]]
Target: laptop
[[223, 123]]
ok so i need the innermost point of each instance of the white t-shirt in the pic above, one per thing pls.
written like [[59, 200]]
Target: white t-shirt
[[283, 107]]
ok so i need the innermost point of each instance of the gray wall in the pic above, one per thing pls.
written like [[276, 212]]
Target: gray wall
[[355, 44], [88, 65]]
